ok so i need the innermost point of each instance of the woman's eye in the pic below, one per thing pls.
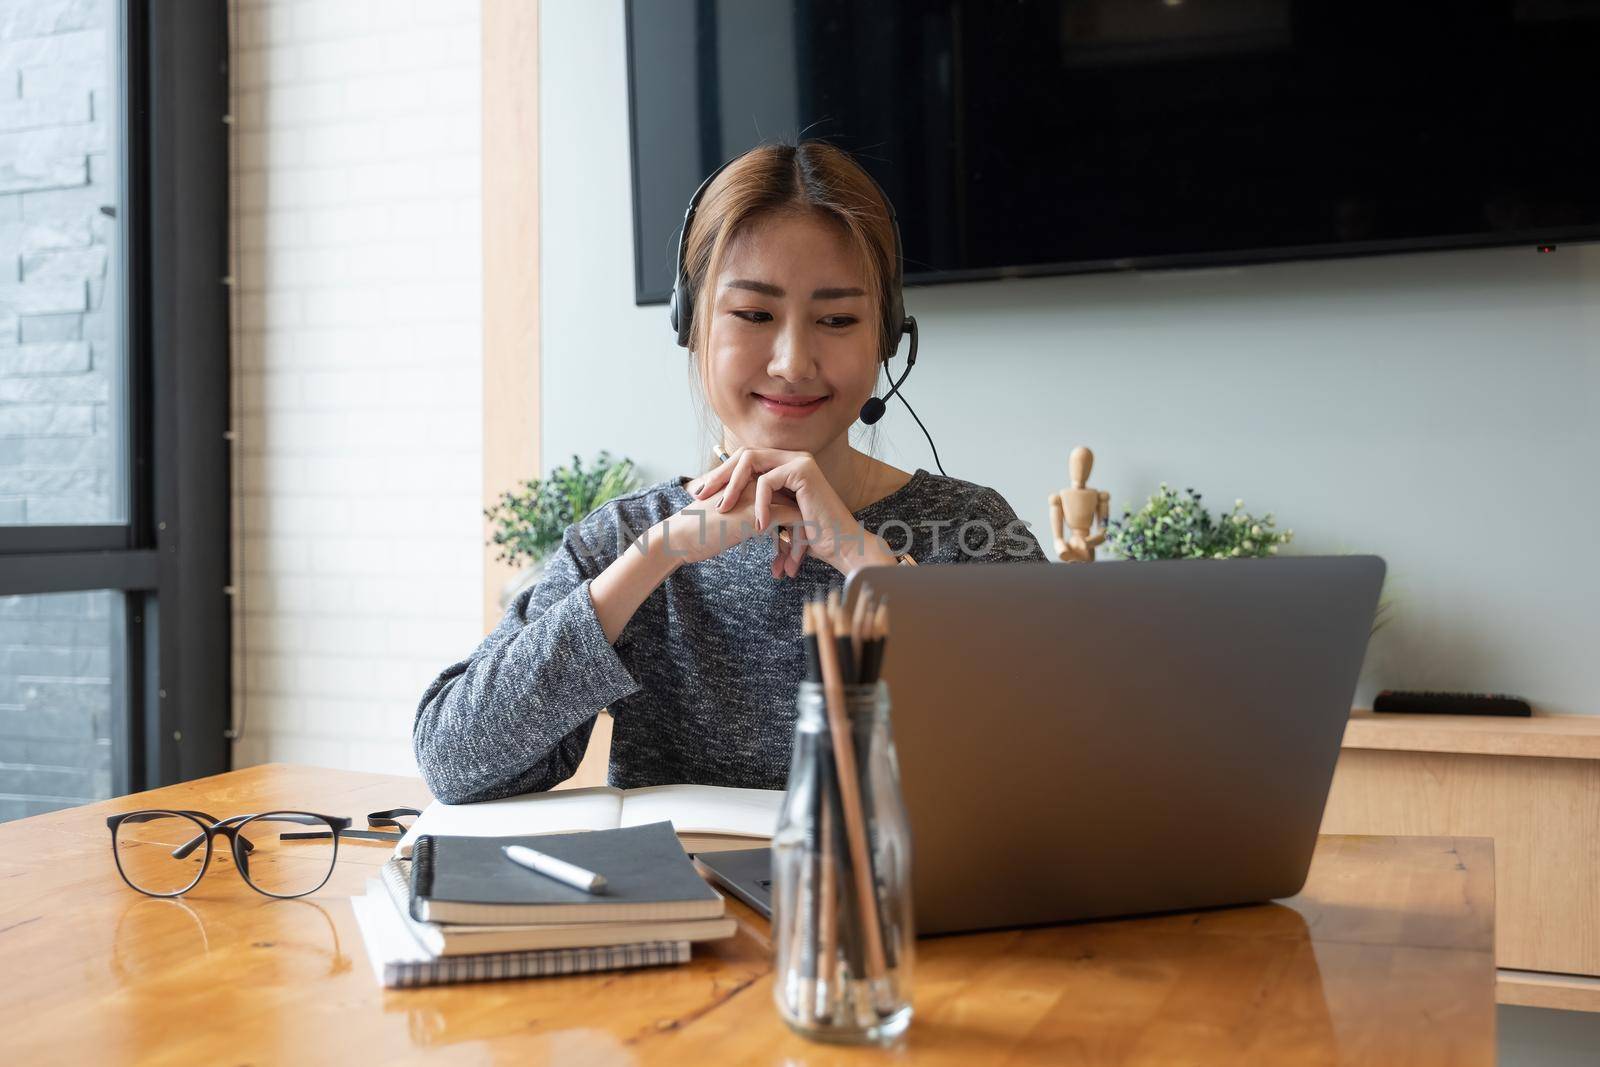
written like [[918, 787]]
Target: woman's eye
[[837, 322]]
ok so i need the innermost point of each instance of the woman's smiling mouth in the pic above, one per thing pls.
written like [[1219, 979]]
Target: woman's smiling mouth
[[790, 406]]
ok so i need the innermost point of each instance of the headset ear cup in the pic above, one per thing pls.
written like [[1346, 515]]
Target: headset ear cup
[[682, 311]]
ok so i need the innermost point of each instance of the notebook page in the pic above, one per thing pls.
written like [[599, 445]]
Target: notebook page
[[384, 931], [594, 808], [705, 809]]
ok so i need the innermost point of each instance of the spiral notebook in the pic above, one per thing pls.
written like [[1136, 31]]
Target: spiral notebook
[[399, 962]]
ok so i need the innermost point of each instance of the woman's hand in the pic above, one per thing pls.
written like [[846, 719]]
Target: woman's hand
[[826, 529], [699, 531]]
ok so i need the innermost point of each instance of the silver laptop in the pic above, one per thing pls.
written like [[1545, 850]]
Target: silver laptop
[[1116, 738]]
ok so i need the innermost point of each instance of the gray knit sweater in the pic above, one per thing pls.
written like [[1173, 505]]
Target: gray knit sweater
[[701, 682]]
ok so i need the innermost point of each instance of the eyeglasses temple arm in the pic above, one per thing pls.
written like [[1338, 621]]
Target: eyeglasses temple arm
[[323, 835]]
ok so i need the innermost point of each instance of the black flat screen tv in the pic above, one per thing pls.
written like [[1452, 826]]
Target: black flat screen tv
[[1023, 137]]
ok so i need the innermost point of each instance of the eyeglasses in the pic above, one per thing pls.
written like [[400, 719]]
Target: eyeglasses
[[159, 852]]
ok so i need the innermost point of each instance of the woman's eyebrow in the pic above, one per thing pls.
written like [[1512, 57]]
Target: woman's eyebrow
[[772, 290]]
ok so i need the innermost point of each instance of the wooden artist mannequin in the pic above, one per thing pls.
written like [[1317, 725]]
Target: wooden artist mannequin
[[1079, 509]]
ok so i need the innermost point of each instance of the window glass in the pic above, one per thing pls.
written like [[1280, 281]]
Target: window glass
[[62, 452], [61, 682]]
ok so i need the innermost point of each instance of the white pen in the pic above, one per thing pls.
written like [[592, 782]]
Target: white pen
[[562, 871]]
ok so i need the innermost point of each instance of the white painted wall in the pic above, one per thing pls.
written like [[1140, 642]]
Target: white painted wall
[[359, 540], [1437, 409]]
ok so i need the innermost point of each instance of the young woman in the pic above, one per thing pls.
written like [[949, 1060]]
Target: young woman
[[677, 606]]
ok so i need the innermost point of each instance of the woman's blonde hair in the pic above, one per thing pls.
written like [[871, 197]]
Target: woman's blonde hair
[[812, 178]]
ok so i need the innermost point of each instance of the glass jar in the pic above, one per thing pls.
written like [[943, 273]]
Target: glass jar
[[844, 944]]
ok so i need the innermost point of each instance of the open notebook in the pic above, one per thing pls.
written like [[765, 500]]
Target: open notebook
[[692, 809]]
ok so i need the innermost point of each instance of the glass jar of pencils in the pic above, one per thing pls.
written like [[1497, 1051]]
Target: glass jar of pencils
[[841, 886]]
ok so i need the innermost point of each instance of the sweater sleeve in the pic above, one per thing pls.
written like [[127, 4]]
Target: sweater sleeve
[[515, 716]]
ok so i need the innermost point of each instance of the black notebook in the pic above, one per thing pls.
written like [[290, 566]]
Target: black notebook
[[648, 876]]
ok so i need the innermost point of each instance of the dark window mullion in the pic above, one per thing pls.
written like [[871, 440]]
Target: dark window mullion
[[127, 661], [135, 247], [70, 572], [35, 540], [184, 262]]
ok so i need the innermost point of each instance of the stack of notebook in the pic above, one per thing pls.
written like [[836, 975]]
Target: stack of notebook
[[458, 910]]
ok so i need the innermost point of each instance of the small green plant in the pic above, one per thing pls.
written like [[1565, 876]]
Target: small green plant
[[529, 524], [1174, 526]]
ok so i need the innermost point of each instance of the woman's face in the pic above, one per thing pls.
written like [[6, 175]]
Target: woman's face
[[792, 351]]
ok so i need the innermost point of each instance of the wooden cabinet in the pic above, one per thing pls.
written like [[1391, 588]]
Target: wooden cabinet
[[1533, 785]]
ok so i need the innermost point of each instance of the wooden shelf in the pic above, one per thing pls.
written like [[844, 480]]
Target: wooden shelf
[[1554, 736], [1535, 989]]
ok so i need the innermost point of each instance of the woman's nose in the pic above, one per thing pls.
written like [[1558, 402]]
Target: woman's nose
[[791, 354]]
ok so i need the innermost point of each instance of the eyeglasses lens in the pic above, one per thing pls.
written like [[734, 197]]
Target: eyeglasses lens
[[146, 843], [284, 868]]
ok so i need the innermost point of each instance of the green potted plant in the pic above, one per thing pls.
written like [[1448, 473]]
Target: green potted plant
[[1174, 526], [1178, 526], [529, 522]]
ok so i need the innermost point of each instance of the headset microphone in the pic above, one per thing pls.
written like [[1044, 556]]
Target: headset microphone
[[875, 407]]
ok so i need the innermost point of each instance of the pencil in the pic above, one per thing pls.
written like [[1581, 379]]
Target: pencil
[[841, 941], [858, 632], [872, 624], [811, 867], [869, 650], [808, 630], [825, 967], [839, 626], [880, 638], [861, 739]]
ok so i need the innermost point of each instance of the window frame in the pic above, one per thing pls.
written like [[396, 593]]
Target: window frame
[[172, 651]]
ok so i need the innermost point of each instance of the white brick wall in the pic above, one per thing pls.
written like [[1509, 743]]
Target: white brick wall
[[359, 544]]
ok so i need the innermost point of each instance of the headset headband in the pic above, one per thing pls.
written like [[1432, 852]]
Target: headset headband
[[681, 307]]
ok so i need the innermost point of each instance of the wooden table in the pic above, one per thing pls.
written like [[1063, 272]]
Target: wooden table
[[1386, 958]]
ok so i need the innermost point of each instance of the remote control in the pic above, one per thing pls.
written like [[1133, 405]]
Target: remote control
[[1450, 703]]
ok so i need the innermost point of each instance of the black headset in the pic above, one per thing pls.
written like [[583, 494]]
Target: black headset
[[681, 308]]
